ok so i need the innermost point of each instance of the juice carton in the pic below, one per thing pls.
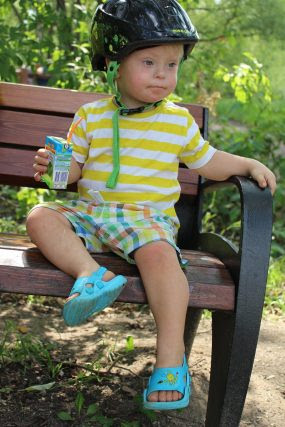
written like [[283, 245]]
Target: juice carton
[[60, 153]]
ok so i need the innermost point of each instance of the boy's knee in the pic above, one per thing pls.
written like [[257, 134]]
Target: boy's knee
[[35, 220], [40, 217], [34, 216], [156, 253]]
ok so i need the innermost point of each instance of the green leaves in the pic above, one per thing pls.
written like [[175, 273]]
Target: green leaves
[[92, 409], [130, 343], [247, 80], [35, 32], [79, 401], [64, 416], [40, 387], [90, 414]]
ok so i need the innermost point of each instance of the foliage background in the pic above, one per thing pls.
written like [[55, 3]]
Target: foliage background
[[237, 70]]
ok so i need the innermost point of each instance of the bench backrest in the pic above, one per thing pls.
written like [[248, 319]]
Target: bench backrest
[[29, 113]]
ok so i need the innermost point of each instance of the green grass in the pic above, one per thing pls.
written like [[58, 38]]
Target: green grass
[[275, 292]]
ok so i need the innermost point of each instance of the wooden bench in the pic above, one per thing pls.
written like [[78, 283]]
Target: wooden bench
[[230, 282]]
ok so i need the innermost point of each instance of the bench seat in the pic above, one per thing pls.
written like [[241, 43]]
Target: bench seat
[[26, 271]]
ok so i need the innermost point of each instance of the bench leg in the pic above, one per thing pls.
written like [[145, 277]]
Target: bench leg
[[233, 350], [193, 317]]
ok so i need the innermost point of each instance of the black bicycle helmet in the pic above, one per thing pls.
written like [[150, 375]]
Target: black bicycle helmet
[[121, 26]]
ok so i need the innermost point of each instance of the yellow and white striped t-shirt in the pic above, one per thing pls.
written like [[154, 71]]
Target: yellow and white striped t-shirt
[[152, 144]]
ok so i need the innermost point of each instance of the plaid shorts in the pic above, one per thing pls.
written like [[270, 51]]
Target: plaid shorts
[[120, 228]]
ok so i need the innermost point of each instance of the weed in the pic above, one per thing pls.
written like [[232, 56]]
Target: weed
[[151, 415], [24, 348], [130, 344], [92, 415], [87, 414], [18, 346]]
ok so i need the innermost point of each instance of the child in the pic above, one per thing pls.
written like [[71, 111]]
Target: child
[[126, 155]]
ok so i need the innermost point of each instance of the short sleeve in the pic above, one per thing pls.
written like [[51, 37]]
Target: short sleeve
[[196, 152], [78, 136]]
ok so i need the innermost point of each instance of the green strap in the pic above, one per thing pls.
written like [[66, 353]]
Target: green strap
[[121, 109], [111, 79], [112, 72], [113, 178]]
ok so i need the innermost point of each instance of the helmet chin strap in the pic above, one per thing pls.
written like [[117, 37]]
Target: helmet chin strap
[[123, 110], [112, 72]]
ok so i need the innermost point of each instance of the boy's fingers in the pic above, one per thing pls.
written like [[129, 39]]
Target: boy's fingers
[[43, 152], [260, 178], [41, 163], [41, 160], [39, 168], [267, 180], [271, 180], [37, 176]]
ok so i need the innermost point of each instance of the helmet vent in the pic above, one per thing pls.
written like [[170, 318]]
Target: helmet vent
[[171, 11]]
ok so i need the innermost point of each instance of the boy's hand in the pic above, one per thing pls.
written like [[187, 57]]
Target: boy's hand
[[41, 163], [262, 175], [223, 165]]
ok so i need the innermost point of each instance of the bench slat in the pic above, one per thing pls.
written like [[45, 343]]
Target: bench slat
[[29, 129], [29, 97], [63, 101], [16, 169], [9, 241], [26, 271], [32, 259], [54, 283]]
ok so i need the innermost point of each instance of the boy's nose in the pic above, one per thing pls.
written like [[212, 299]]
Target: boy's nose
[[160, 72]]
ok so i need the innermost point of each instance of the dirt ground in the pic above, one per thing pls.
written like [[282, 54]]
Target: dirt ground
[[118, 389]]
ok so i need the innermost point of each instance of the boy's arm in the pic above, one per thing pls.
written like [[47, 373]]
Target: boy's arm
[[223, 165], [75, 171], [41, 163]]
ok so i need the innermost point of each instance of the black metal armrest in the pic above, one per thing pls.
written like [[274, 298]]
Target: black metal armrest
[[248, 263]]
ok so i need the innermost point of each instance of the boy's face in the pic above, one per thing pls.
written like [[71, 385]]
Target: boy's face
[[149, 75]]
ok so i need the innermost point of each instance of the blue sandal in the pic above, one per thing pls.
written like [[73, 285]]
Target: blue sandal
[[174, 379], [91, 299]]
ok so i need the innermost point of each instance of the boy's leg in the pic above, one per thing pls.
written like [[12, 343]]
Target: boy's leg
[[54, 236], [52, 233], [168, 294]]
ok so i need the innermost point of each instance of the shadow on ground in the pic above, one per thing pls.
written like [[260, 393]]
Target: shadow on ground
[[117, 390]]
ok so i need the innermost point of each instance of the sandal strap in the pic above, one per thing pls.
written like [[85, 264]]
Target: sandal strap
[[174, 379], [78, 285], [94, 279]]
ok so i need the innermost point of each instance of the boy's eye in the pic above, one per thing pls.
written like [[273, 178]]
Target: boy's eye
[[172, 65], [148, 62]]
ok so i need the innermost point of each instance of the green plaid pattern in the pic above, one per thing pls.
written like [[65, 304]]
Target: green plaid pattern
[[120, 228]]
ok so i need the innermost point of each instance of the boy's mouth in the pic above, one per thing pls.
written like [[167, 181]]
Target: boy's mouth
[[157, 87]]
